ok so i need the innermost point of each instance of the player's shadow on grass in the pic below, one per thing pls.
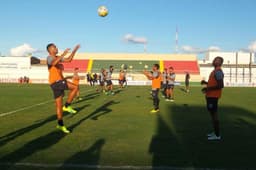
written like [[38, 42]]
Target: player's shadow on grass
[[88, 97], [100, 111], [88, 158], [183, 90], [181, 138], [78, 109], [11, 136], [32, 147]]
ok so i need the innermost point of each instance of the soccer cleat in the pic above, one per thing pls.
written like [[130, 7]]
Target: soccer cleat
[[210, 134], [113, 93], [172, 100], [63, 129], [168, 100], [154, 111], [69, 109], [214, 137]]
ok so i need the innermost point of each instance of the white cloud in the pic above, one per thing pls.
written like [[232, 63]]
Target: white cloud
[[252, 47], [136, 40], [196, 50], [22, 50]]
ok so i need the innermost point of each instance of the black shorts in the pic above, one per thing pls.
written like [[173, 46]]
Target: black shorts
[[109, 82], [164, 86], [170, 86], [102, 83], [58, 88], [121, 81], [212, 104]]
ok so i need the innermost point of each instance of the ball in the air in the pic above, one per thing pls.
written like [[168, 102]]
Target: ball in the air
[[146, 66], [102, 11]]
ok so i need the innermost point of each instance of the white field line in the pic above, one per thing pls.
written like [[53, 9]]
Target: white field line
[[32, 106], [83, 166]]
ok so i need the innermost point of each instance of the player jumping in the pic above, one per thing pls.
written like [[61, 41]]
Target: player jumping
[[59, 84], [213, 92]]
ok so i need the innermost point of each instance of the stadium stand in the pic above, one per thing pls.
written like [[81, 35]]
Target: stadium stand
[[82, 64], [183, 66], [135, 66]]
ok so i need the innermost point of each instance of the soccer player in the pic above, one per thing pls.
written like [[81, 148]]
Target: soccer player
[[109, 81], [170, 85], [59, 84], [213, 92], [164, 82], [75, 81], [155, 76], [102, 78], [121, 79], [187, 78]]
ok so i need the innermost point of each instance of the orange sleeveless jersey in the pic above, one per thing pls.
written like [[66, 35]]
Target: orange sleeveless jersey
[[211, 83], [156, 82], [121, 76], [55, 74], [76, 81]]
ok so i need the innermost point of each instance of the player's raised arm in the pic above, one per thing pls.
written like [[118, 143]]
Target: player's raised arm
[[71, 56], [148, 74], [56, 60]]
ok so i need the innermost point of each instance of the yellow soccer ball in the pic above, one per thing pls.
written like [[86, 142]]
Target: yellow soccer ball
[[102, 11]]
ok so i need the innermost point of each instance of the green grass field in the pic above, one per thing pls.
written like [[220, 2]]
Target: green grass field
[[118, 131]]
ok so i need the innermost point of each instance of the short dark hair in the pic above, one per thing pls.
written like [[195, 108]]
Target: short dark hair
[[76, 68], [221, 59], [111, 66], [171, 68], [157, 66], [48, 46]]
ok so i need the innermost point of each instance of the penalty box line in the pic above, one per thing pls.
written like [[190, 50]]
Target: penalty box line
[[32, 106]]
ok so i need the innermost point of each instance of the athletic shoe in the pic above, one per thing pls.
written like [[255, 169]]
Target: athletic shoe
[[168, 100], [214, 137], [163, 96], [210, 134], [63, 129], [113, 93], [69, 109], [80, 98], [172, 100], [154, 111]]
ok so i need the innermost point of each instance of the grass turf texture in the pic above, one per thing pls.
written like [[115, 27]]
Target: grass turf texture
[[118, 130]]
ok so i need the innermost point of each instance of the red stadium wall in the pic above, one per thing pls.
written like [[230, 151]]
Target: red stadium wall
[[182, 66], [81, 64]]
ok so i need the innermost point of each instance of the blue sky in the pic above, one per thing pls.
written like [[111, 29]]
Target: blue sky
[[228, 25]]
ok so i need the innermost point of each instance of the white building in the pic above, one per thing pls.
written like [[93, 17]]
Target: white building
[[230, 57]]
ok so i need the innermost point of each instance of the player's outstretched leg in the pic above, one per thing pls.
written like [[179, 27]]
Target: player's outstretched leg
[[72, 93]]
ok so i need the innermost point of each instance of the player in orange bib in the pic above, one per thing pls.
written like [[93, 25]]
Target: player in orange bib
[[76, 80], [58, 83], [213, 93], [121, 79], [156, 78]]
